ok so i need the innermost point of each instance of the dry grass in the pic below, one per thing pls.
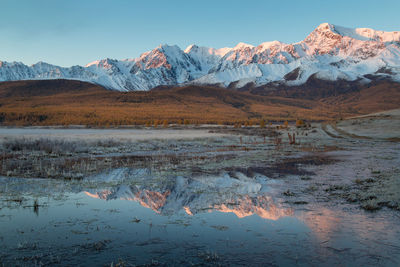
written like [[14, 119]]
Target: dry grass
[[382, 191], [48, 158], [61, 102]]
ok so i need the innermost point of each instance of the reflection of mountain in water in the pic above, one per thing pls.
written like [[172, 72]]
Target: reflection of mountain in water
[[240, 194], [263, 206], [149, 199]]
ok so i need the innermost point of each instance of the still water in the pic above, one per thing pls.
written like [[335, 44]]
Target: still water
[[134, 217]]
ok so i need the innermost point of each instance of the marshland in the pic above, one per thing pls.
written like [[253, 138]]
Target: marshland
[[309, 194]]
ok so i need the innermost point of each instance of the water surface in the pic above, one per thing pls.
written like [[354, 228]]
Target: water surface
[[123, 215]]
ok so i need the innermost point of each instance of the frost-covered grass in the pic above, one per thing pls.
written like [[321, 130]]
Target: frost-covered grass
[[60, 158], [45, 145], [381, 191], [315, 166], [105, 135], [382, 125]]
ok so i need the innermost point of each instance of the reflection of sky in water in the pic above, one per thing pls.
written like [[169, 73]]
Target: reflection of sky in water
[[235, 222]]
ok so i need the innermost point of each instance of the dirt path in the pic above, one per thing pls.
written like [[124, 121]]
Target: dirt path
[[324, 127], [383, 126], [342, 132]]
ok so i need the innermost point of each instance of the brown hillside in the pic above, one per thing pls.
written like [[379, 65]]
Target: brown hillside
[[65, 102]]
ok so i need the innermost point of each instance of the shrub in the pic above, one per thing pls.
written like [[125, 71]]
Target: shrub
[[286, 124], [299, 123], [165, 124]]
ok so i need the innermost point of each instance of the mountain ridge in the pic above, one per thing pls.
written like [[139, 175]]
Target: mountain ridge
[[330, 52]]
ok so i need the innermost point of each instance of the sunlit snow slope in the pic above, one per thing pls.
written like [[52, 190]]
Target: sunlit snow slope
[[331, 52]]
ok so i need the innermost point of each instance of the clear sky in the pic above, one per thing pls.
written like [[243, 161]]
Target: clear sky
[[72, 32]]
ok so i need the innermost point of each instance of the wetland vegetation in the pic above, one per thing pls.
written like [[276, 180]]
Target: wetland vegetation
[[204, 195]]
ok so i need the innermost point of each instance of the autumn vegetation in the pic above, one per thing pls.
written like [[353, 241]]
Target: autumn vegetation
[[63, 102]]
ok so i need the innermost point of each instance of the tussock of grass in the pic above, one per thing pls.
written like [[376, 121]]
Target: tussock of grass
[[45, 145], [376, 193]]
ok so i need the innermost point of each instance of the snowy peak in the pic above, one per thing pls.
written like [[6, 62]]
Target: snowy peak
[[323, 39], [155, 58], [190, 48], [324, 29], [206, 51], [329, 52], [241, 45], [104, 63], [346, 42], [163, 56], [362, 34], [269, 45], [365, 34], [94, 63]]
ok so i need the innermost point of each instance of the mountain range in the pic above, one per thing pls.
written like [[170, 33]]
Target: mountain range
[[328, 53]]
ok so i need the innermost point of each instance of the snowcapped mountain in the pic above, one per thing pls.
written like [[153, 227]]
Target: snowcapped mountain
[[329, 52]]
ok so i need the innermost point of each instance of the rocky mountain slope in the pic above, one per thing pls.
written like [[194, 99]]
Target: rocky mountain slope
[[329, 52]]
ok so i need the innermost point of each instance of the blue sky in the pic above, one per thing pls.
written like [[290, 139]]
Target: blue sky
[[74, 32]]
